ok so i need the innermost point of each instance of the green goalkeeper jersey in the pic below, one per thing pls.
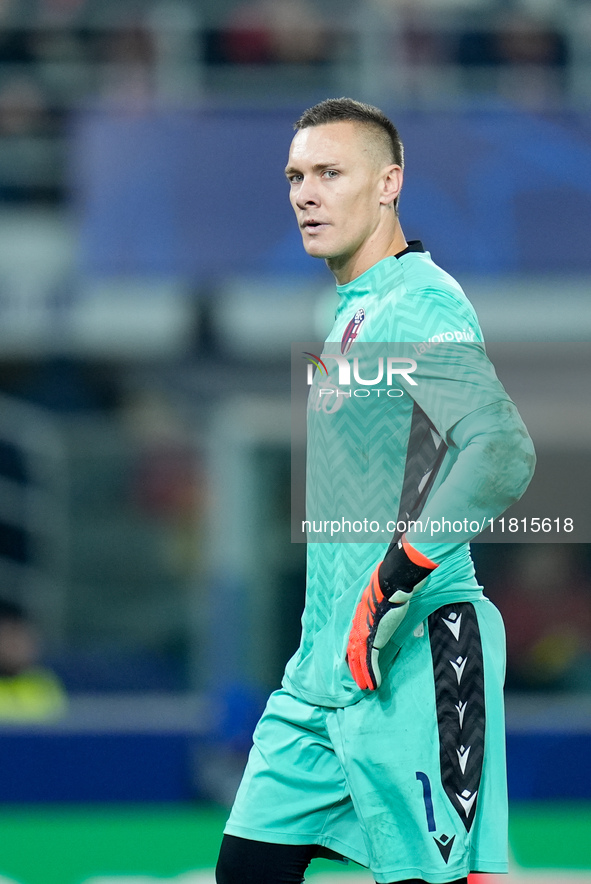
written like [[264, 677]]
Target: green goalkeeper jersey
[[404, 362]]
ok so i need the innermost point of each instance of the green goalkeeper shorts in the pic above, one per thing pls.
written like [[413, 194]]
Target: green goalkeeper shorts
[[410, 781]]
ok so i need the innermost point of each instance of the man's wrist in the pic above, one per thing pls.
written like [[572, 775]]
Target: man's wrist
[[403, 567], [416, 555]]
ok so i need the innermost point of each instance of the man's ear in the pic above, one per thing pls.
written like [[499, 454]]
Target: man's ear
[[391, 184]]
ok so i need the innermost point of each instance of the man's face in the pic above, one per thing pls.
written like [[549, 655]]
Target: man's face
[[335, 178]]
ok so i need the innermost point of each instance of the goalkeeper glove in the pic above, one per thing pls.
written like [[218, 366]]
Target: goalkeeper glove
[[382, 608]]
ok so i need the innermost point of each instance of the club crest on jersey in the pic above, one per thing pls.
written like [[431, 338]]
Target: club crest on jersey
[[352, 330]]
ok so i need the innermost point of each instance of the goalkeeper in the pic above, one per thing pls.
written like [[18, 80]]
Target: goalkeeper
[[385, 744]]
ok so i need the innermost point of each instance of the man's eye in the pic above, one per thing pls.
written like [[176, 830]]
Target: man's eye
[[331, 173], [295, 179]]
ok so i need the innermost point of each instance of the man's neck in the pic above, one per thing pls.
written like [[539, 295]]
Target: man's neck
[[368, 256]]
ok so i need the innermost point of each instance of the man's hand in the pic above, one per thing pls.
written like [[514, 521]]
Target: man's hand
[[381, 610]]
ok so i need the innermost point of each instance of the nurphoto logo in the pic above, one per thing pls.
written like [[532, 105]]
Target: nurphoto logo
[[396, 366]]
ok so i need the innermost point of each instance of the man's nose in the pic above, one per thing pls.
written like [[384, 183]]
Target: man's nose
[[307, 195]]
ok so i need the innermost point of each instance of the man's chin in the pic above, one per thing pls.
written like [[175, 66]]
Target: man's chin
[[316, 250]]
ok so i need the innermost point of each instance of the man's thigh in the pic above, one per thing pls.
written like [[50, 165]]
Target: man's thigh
[[294, 790], [424, 755], [243, 861]]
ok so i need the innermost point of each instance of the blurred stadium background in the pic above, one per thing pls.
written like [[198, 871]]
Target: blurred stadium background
[[151, 281]]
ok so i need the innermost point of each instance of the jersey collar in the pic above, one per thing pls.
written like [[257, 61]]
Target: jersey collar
[[414, 245]]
